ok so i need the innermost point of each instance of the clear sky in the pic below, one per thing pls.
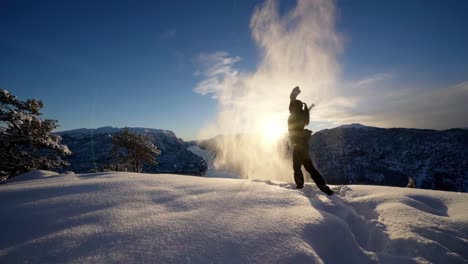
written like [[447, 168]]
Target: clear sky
[[137, 63]]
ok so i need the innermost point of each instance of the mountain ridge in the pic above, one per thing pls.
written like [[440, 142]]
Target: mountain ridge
[[91, 150], [436, 159], [349, 154]]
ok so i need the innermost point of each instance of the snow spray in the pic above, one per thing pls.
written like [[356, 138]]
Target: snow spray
[[296, 48]]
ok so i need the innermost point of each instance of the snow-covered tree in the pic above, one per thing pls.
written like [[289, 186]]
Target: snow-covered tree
[[26, 141], [132, 150]]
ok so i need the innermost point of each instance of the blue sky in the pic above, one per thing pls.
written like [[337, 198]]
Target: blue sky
[[134, 63]]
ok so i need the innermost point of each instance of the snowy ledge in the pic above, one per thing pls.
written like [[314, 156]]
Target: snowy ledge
[[149, 218]]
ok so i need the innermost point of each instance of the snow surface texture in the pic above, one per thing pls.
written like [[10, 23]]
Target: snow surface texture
[[167, 218], [32, 175]]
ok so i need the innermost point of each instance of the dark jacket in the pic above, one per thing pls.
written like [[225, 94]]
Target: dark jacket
[[297, 135]]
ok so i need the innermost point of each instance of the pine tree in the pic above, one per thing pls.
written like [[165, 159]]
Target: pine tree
[[132, 150], [26, 141]]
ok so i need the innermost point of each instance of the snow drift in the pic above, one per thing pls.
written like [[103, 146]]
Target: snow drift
[[147, 218]]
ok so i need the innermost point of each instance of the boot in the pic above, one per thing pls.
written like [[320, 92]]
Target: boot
[[327, 190]]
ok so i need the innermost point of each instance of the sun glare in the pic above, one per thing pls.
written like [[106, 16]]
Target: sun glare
[[273, 131]]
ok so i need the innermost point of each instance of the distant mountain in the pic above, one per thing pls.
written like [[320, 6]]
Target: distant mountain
[[91, 150], [370, 155], [353, 125], [359, 154]]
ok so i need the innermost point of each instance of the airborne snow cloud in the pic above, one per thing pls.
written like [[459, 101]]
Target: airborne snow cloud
[[301, 47], [298, 48]]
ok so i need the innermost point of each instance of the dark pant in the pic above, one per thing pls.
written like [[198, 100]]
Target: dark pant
[[301, 157]]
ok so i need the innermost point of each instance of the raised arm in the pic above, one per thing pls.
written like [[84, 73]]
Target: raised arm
[[295, 92], [293, 96]]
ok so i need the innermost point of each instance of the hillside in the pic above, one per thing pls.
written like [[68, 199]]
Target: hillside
[[167, 218], [350, 154], [91, 151], [436, 159], [358, 154]]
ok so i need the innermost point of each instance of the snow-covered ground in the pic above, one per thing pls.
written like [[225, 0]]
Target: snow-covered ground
[[147, 218]]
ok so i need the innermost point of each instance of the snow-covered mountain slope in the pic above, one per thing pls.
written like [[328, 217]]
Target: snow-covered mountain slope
[[166, 218], [370, 155], [91, 150]]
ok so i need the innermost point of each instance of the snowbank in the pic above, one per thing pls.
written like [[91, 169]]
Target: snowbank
[[145, 218], [32, 175]]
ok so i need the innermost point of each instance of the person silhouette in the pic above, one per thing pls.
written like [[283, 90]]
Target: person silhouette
[[299, 139]]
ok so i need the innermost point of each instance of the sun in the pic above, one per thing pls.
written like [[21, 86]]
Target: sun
[[273, 130]]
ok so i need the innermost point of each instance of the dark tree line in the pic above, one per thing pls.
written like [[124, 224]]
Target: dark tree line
[[26, 141]]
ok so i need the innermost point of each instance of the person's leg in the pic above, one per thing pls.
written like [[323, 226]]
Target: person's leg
[[298, 176], [309, 166]]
